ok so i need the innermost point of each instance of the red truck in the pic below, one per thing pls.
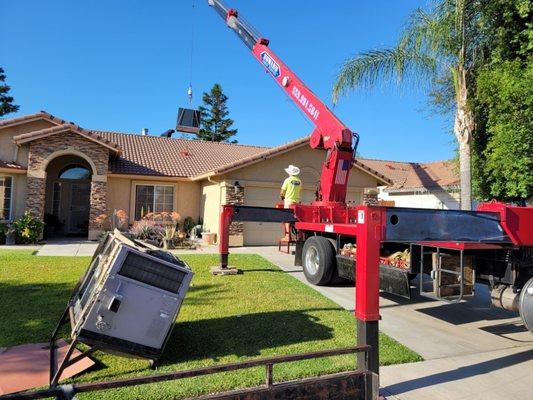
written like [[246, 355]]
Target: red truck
[[386, 248]]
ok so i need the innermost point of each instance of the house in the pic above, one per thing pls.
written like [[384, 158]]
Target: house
[[54, 167], [422, 185]]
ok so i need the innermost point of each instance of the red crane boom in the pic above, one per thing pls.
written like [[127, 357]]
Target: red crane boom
[[329, 133]]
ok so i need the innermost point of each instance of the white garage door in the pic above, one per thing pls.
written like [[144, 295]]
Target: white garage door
[[264, 233], [261, 233]]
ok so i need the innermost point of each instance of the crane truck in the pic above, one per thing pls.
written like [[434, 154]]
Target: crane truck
[[446, 250]]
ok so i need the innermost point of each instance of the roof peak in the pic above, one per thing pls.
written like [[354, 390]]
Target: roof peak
[[132, 134]]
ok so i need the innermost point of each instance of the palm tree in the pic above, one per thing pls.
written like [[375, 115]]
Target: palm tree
[[438, 50]]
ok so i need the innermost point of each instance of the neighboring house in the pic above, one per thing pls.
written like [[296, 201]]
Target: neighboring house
[[422, 185], [50, 166]]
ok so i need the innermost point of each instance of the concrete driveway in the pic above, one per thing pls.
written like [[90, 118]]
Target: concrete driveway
[[470, 349]]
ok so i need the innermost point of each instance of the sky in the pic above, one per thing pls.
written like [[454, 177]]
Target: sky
[[126, 65]]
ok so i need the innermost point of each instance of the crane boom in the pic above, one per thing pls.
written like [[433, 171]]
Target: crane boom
[[329, 133]]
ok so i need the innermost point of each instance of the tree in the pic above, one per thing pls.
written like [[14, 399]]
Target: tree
[[503, 105], [214, 122], [6, 101], [438, 49]]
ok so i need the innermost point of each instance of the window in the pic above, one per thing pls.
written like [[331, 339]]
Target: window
[[153, 198], [75, 172], [56, 201], [6, 190]]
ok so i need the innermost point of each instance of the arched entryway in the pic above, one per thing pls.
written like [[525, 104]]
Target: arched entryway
[[67, 196]]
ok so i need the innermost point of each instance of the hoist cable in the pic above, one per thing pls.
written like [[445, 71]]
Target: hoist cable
[[191, 55]]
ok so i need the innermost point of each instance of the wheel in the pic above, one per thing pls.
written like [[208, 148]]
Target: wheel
[[525, 304], [318, 259]]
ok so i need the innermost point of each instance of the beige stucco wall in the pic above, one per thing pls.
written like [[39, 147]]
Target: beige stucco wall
[[212, 195], [121, 195], [7, 147], [437, 200], [266, 177], [18, 203]]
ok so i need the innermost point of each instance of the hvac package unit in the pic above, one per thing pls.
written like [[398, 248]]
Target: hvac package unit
[[126, 302]]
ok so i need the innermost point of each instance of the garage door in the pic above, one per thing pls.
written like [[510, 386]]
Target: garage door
[[264, 233], [261, 233]]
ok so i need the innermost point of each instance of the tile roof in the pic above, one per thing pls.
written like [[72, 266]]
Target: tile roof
[[197, 159], [54, 130], [410, 175], [161, 156], [11, 165], [5, 123]]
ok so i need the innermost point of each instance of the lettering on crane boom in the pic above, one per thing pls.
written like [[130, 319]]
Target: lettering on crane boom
[[270, 64], [304, 101]]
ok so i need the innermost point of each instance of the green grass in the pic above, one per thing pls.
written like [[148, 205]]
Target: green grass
[[263, 312]]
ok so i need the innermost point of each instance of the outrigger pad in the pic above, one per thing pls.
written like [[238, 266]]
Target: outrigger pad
[[27, 366], [188, 120]]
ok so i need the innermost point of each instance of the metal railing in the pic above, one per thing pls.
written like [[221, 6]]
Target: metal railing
[[68, 391]]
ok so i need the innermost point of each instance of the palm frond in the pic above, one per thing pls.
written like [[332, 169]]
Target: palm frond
[[366, 69]]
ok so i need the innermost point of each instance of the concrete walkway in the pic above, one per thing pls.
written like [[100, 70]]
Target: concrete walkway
[[67, 247], [469, 349]]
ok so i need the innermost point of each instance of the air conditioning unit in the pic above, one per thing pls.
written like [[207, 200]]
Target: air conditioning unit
[[127, 300]]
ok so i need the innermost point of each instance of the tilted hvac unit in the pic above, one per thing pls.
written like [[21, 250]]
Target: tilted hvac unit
[[127, 300]]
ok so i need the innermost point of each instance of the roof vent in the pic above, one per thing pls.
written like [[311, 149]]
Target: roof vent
[[144, 131], [168, 133]]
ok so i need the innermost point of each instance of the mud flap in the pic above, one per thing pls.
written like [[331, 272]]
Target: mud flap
[[394, 281]]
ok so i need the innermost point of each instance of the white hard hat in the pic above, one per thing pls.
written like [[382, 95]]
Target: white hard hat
[[292, 170]]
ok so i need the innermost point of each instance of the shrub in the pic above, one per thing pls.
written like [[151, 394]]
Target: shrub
[[28, 229], [147, 230], [188, 224]]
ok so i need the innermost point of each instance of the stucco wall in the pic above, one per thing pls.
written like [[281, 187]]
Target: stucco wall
[[211, 199], [121, 195], [266, 177], [7, 147], [438, 199], [19, 195]]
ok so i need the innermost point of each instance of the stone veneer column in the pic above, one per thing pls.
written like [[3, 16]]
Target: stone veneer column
[[35, 186], [370, 197], [98, 203], [236, 229]]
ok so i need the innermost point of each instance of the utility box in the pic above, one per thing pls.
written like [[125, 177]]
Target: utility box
[[129, 297]]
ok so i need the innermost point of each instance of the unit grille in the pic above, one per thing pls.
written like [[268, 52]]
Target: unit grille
[[152, 273]]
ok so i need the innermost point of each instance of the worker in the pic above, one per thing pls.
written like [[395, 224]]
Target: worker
[[290, 190]]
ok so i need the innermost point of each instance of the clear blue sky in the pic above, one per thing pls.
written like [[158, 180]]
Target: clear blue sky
[[124, 65]]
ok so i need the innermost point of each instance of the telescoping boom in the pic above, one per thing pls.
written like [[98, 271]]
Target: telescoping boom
[[329, 133]]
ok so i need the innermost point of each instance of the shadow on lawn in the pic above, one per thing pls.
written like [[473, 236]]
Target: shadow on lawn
[[29, 312], [246, 335]]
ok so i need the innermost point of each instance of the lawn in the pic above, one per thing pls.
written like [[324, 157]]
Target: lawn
[[263, 312]]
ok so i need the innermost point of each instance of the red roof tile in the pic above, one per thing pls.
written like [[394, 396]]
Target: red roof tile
[[11, 165], [161, 156], [409, 175], [54, 130]]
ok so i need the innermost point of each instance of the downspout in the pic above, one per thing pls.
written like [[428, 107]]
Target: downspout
[[16, 153]]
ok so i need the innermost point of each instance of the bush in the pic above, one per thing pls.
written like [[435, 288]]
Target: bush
[[188, 224], [147, 230], [27, 229], [3, 233]]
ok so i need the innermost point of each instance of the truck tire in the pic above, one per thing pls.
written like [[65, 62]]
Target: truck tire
[[318, 259], [525, 304]]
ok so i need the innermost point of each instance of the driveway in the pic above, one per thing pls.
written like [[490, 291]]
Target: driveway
[[470, 349]]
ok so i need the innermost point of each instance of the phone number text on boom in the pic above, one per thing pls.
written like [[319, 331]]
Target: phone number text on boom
[[304, 101]]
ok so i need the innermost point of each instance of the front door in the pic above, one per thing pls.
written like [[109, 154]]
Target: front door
[[79, 208]]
